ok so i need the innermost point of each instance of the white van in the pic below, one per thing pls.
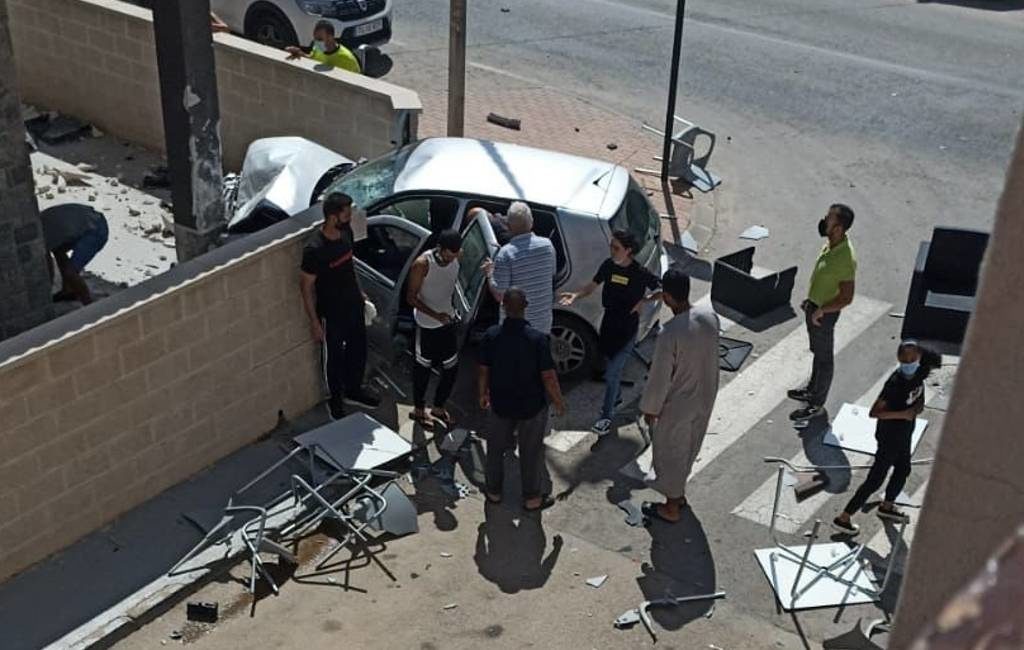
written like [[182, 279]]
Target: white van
[[281, 23]]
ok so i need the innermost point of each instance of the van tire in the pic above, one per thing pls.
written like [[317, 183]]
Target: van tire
[[574, 347], [266, 24]]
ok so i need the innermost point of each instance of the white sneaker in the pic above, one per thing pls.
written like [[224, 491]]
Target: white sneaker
[[602, 427]]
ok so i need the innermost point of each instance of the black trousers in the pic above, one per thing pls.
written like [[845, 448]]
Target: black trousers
[[893, 452], [344, 352], [822, 345], [434, 348], [502, 437]]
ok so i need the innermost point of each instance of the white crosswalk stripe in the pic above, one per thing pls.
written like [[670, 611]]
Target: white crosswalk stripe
[[794, 514], [761, 386]]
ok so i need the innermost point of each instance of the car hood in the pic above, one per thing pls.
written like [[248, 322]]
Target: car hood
[[283, 171]]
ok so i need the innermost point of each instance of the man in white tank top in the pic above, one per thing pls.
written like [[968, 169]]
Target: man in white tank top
[[431, 292]]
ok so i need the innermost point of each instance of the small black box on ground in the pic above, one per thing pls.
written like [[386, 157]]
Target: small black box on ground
[[201, 612]]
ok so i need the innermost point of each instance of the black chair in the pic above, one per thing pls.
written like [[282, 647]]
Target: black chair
[[943, 287], [734, 287]]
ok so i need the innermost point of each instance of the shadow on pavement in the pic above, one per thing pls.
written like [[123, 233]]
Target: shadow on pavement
[[988, 5], [510, 550], [681, 565]]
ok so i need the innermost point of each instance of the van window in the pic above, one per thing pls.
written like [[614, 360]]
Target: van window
[[637, 217], [386, 249], [434, 213]]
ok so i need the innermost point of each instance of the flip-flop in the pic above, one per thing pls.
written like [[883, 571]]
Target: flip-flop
[[444, 417], [650, 511], [545, 502], [421, 419]]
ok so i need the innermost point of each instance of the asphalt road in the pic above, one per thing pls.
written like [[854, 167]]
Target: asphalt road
[[905, 110]]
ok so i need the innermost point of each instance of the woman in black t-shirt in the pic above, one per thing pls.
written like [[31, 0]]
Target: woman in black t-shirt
[[625, 286], [896, 409]]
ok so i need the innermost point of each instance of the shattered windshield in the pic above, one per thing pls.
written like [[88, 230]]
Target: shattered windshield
[[374, 181]]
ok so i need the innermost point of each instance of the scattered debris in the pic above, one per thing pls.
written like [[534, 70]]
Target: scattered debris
[[640, 615], [507, 122], [576, 129], [505, 10], [896, 314], [597, 581], [203, 612], [612, 146], [754, 233], [86, 167], [445, 554], [175, 635], [450, 606]]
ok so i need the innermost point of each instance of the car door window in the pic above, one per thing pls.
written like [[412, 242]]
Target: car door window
[[433, 213], [386, 249], [474, 252]]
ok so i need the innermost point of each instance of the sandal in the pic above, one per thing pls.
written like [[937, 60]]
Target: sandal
[[423, 420], [650, 510], [545, 502], [442, 416]]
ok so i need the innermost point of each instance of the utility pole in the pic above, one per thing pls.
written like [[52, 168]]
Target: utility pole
[[188, 94], [457, 69], [670, 111], [25, 299]]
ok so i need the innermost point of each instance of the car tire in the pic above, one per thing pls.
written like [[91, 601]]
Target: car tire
[[267, 25], [574, 347]]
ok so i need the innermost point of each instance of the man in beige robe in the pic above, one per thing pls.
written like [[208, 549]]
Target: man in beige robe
[[680, 393]]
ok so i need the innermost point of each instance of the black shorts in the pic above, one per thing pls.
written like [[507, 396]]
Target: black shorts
[[437, 347]]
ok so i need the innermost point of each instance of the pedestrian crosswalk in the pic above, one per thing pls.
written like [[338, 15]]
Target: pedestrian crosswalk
[[747, 400]]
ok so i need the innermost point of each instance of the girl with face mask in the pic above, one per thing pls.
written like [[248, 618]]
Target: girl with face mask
[[896, 409], [626, 287]]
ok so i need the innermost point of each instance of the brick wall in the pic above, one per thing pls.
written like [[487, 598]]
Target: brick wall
[[112, 413], [24, 281], [104, 71]]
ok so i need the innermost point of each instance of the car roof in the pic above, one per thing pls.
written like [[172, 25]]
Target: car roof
[[509, 171]]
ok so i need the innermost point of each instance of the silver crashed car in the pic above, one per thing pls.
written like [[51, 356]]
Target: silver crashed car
[[424, 187]]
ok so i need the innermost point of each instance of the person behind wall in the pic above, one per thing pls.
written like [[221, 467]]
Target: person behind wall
[[516, 381], [326, 49], [680, 394], [625, 284], [896, 410], [74, 233], [335, 306], [431, 293], [831, 290]]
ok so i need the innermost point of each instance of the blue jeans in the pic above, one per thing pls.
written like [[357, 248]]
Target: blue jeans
[[86, 247], [612, 377]]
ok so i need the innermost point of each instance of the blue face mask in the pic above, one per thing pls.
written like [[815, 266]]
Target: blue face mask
[[910, 369]]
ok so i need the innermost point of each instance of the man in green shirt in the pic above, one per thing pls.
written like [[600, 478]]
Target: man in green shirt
[[326, 49], [832, 286]]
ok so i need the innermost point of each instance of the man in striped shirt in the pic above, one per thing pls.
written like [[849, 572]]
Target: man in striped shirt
[[527, 261]]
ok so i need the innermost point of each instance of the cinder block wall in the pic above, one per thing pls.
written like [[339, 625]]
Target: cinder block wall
[[105, 72], [97, 422]]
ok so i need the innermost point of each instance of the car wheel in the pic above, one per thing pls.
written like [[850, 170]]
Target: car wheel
[[267, 25], [573, 347]]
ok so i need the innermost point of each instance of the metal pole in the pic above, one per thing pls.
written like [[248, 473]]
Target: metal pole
[[457, 69], [670, 110]]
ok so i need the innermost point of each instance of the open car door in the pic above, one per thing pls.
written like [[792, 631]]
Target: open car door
[[478, 244], [383, 261]]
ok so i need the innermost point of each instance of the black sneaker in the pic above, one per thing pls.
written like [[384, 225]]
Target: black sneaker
[[850, 529], [335, 410], [806, 413], [364, 399], [799, 394], [895, 515]]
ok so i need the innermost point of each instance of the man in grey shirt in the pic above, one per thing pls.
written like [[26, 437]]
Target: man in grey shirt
[[73, 233], [527, 261]]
